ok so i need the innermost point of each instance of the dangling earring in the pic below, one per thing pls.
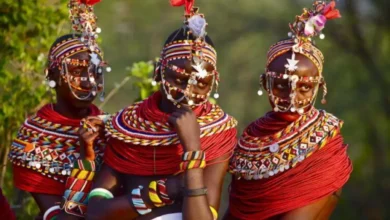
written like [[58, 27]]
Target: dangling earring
[[52, 84], [260, 92], [156, 71], [324, 92], [216, 94]]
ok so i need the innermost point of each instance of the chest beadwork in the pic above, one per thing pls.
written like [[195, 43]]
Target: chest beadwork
[[257, 158], [48, 148]]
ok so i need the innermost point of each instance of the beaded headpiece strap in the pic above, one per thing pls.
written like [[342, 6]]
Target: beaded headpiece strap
[[306, 26], [196, 50]]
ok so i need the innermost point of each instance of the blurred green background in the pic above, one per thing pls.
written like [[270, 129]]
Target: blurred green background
[[356, 49]]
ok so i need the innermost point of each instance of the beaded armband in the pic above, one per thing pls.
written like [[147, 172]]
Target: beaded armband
[[214, 212], [78, 187], [158, 193], [52, 213], [162, 192], [193, 160], [100, 192], [138, 202]]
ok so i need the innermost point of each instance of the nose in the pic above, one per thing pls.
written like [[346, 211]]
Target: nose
[[87, 80]]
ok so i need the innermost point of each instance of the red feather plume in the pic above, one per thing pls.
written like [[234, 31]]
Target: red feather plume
[[188, 4], [330, 11], [89, 2]]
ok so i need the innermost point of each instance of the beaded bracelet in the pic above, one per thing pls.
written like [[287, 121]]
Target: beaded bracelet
[[52, 213], [162, 192], [194, 155], [214, 212], [100, 192], [74, 208], [82, 174], [192, 164], [195, 192], [78, 184], [138, 202], [79, 197], [83, 164], [153, 195]]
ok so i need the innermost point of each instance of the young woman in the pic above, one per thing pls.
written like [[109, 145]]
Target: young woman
[[175, 131], [292, 162], [48, 142]]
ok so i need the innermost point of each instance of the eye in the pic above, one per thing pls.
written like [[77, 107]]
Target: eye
[[77, 72], [280, 86], [201, 85], [179, 81], [305, 88]]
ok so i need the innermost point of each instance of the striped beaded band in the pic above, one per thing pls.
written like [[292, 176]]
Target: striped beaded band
[[82, 174], [162, 192], [194, 155], [87, 165], [52, 213], [67, 48], [78, 184], [307, 49], [138, 202], [153, 195], [75, 196], [192, 164], [182, 49], [100, 192]]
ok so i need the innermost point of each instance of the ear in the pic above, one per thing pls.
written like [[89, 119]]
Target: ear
[[53, 74], [322, 82], [157, 72], [263, 82]]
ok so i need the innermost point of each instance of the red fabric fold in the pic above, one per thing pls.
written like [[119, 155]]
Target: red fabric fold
[[32, 181], [163, 160], [319, 175]]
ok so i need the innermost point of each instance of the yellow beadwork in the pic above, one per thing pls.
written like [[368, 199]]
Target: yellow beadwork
[[214, 212], [153, 195]]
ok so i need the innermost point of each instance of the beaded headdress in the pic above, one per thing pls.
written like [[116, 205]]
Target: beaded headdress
[[306, 26], [197, 51], [85, 34]]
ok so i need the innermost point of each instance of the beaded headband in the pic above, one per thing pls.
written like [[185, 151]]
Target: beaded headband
[[306, 26], [197, 51], [307, 49]]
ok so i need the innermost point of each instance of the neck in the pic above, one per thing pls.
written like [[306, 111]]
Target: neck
[[291, 116], [166, 106], [64, 108]]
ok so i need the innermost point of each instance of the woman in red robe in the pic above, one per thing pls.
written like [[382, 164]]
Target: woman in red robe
[[292, 162], [48, 142]]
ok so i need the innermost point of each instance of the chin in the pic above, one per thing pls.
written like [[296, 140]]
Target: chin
[[82, 103]]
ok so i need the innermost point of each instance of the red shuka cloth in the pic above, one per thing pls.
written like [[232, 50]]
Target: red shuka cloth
[[139, 160], [319, 175], [34, 182], [5, 210]]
